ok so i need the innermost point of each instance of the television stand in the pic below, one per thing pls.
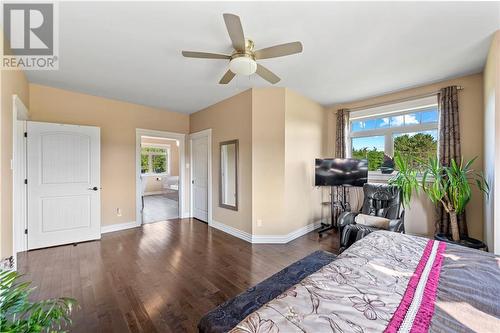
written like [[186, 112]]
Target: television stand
[[324, 228], [338, 203]]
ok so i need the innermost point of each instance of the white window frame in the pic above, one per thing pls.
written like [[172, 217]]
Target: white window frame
[[150, 160], [391, 110]]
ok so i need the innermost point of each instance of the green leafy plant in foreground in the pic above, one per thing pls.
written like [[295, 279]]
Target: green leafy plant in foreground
[[18, 314], [406, 178], [449, 186]]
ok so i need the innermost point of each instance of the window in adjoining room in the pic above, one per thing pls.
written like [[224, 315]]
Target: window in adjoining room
[[410, 128], [155, 159]]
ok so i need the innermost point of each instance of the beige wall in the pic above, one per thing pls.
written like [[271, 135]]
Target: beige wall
[[492, 146], [11, 82], [305, 133], [268, 161], [230, 119], [420, 218], [288, 133], [154, 183], [280, 134], [118, 122]]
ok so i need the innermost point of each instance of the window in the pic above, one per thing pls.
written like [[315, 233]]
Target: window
[[409, 128], [155, 159], [370, 148], [419, 145]]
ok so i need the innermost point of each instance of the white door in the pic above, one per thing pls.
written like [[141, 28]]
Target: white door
[[63, 184], [199, 179]]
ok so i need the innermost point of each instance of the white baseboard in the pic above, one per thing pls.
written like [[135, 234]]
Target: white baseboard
[[160, 221], [283, 239], [153, 193], [265, 239], [117, 227], [254, 239], [232, 231]]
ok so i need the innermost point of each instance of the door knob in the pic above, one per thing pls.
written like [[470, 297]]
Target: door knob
[[95, 188]]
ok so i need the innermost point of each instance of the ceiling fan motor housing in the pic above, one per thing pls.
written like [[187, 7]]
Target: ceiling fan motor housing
[[243, 62]]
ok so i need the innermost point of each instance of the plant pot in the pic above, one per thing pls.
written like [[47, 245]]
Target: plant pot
[[464, 241]]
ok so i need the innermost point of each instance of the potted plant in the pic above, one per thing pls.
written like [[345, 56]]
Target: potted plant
[[406, 179], [18, 314], [449, 186]]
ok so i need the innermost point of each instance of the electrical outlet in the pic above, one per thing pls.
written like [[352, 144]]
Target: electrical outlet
[[259, 223], [118, 212]]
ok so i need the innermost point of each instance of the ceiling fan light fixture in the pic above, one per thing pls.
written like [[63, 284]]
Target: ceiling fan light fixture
[[242, 59], [243, 65]]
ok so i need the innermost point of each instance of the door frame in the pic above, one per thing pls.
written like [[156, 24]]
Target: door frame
[[20, 114], [208, 134], [139, 132]]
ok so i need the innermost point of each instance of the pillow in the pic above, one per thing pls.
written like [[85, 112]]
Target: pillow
[[372, 221]]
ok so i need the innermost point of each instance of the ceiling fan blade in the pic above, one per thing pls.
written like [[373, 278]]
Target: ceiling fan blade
[[266, 74], [235, 30], [279, 50], [227, 77], [204, 55]]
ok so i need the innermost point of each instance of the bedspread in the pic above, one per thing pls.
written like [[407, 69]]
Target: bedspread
[[390, 282]]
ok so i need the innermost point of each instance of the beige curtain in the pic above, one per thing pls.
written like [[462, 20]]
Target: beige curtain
[[449, 148], [340, 135]]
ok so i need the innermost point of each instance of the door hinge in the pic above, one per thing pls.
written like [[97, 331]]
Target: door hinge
[[25, 134], [25, 231], [26, 181]]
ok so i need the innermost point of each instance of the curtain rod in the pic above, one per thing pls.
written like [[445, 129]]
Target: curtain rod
[[398, 100]]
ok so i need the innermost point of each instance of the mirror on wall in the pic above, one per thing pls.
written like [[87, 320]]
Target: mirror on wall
[[228, 183]]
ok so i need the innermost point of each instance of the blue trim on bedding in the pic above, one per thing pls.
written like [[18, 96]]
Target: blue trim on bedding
[[229, 314]]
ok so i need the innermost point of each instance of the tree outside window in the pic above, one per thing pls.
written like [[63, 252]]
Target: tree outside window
[[144, 163], [412, 133], [154, 159], [417, 146], [369, 148]]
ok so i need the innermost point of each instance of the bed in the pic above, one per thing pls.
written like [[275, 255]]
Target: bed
[[385, 282]]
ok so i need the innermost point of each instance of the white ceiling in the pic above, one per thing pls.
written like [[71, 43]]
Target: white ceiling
[[131, 51]]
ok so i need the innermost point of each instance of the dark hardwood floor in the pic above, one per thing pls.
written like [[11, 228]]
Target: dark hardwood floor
[[162, 277]]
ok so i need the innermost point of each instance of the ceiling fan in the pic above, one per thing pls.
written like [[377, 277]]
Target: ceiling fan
[[242, 60]]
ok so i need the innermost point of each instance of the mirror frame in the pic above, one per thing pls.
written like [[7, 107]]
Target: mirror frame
[[237, 149]]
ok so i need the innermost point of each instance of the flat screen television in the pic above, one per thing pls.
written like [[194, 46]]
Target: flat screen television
[[341, 171]]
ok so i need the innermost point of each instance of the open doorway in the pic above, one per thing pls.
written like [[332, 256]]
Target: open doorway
[[160, 175]]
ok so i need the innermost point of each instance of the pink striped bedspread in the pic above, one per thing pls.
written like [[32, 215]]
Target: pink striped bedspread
[[390, 282]]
